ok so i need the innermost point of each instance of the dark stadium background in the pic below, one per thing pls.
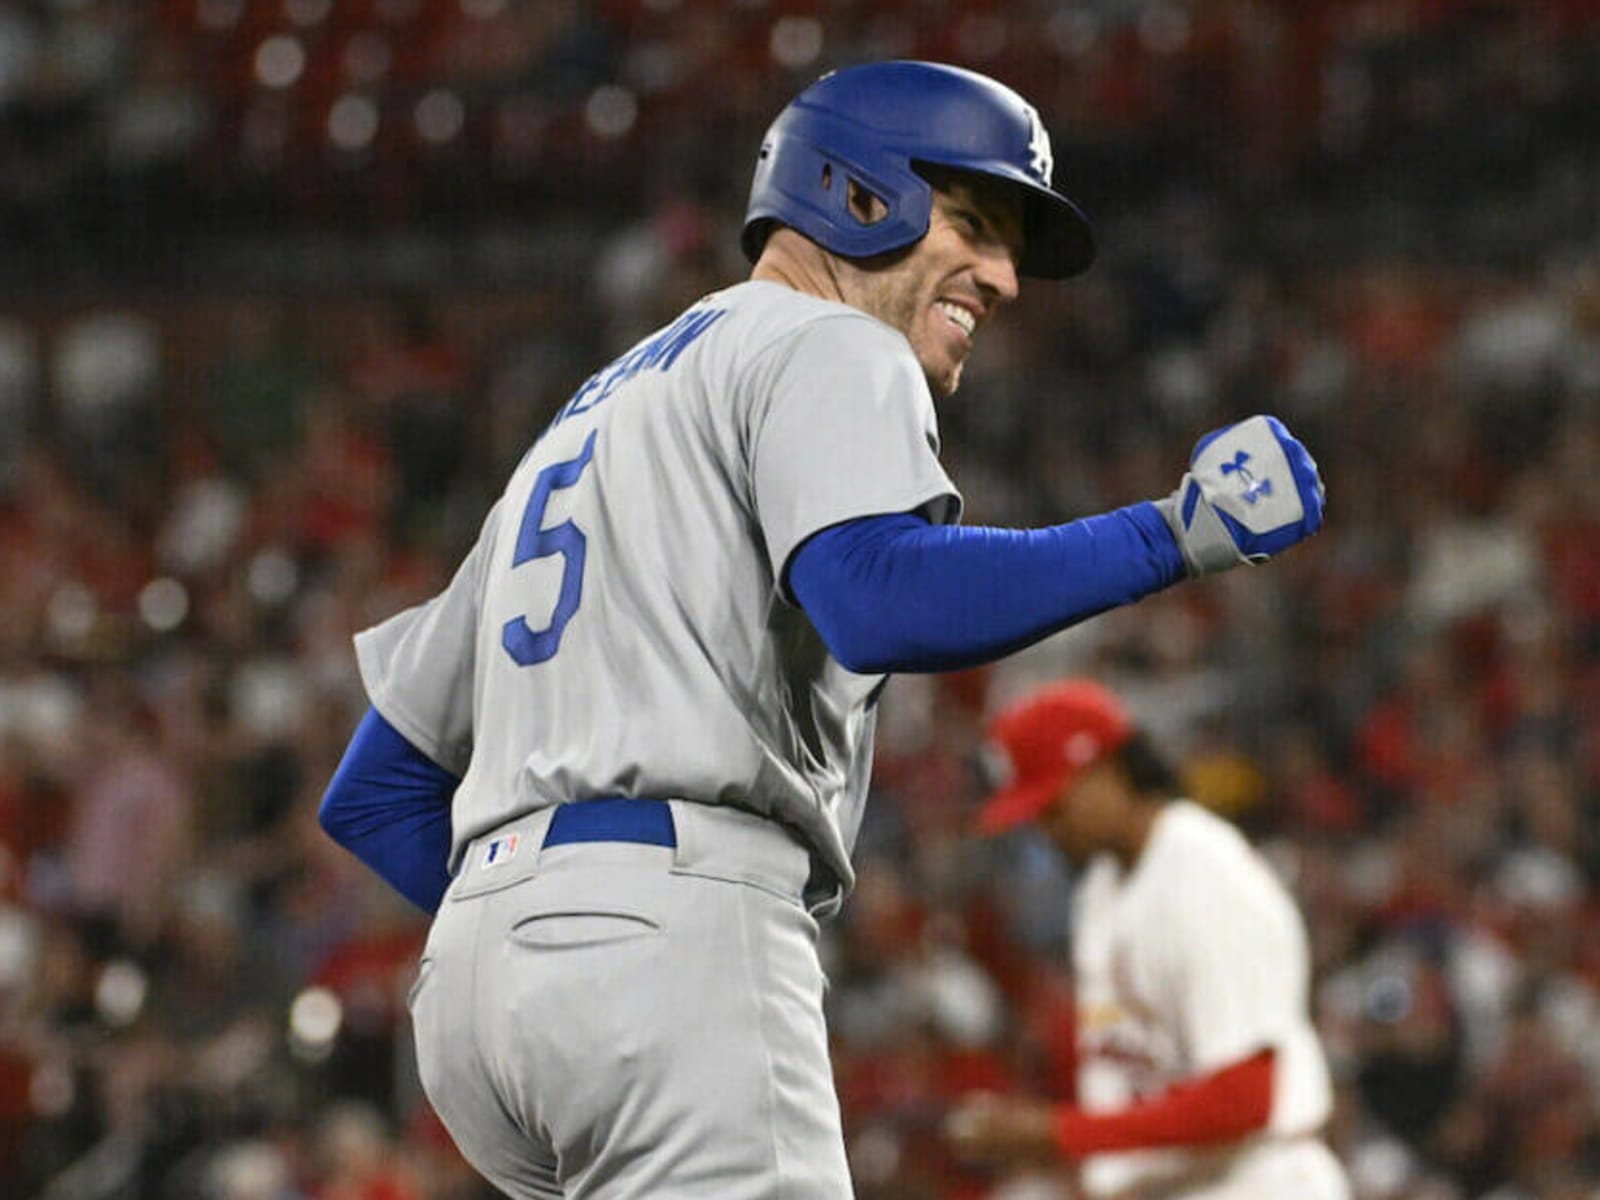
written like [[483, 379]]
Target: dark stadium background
[[286, 286]]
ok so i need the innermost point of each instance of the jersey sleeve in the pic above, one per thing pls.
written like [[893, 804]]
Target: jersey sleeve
[[418, 666], [841, 425]]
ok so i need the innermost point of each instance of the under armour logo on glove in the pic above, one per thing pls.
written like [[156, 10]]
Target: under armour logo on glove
[[1252, 491], [1253, 487]]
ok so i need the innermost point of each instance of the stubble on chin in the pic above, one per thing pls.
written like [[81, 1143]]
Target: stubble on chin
[[943, 384], [943, 372], [903, 308]]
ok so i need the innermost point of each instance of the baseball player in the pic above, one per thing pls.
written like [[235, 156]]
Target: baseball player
[[623, 755], [1200, 1074]]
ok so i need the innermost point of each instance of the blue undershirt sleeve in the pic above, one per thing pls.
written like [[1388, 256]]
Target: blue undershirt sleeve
[[389, 805], [894, 593]]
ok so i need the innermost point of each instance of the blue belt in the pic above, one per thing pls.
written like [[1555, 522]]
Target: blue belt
[[612, 819]]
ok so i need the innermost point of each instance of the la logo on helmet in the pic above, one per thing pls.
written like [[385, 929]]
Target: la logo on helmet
[[1039, 157]]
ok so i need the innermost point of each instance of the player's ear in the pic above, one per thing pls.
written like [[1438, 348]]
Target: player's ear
[[865, 206]]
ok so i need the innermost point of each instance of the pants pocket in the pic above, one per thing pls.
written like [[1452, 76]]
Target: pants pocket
[[548, 931]]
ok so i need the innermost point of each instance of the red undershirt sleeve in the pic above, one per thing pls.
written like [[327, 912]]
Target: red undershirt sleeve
[[1221, 1107]]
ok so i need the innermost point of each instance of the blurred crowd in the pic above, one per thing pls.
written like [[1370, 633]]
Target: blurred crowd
[[1380, 220]]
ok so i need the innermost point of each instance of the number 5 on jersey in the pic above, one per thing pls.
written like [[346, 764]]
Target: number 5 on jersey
[[526, 645]]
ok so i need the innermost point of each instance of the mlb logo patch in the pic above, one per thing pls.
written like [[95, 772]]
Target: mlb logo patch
[[501, 850]]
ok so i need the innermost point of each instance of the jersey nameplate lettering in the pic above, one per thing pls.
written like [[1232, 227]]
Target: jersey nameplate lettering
[[660, 352]]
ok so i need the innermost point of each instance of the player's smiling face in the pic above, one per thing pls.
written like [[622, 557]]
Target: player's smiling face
[[941, 290]]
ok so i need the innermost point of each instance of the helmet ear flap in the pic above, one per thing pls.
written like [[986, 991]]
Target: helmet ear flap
[[833, 199]]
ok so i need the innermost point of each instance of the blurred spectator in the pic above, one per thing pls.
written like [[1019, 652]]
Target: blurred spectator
[[106, 381], [261, 381], [412, 379], [356, 1159], [132, 817]]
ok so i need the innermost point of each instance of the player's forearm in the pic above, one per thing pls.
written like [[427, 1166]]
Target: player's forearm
[[895, 593], [389, 805], [1223, 1107]]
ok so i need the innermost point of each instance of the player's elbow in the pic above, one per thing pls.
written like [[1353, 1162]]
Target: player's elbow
[[863, 661], [856, 635], [345, 809], [853, 638], [839, 578], [333, 814]]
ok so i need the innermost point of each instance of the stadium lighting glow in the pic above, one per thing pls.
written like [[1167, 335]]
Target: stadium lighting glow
[[163, 604], [611, 111], [352, 122], [796, 41], [272, 577], [440, 116], [119, 995], [315, 1018], [280, 61]]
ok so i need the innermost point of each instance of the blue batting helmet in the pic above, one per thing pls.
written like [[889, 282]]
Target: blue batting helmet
[[874, 124]]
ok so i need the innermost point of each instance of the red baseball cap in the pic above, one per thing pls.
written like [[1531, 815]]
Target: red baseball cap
[[1048, 739]]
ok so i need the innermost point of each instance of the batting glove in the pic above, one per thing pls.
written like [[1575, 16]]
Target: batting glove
[[1252, 490]]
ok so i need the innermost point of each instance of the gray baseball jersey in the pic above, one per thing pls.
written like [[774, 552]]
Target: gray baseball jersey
[[620, 627]]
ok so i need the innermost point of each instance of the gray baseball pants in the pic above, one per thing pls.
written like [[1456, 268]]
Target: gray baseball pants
[[610, 1020]]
